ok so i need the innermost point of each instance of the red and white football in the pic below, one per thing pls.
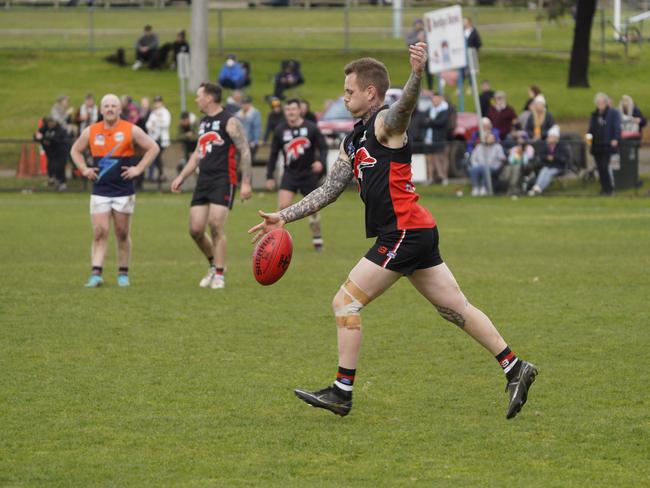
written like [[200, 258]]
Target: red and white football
[[272, 256]]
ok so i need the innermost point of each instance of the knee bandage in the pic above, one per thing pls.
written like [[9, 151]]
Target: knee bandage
[[348, 304]]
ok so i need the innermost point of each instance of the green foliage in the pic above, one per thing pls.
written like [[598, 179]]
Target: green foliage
[[166, 384]]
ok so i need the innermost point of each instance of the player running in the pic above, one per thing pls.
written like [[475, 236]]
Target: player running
[[305, 152], [378, 154], [112, 144], [221, 135]]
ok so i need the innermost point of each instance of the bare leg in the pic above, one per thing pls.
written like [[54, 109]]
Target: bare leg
[[439, 286], [122, 226], [372, 280], [430, 168], [101, 224], [285, 197], [198, 221], [218, 214]]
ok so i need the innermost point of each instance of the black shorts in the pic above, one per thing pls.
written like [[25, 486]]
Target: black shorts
[[303, 182], [218, 194], [405, 251]]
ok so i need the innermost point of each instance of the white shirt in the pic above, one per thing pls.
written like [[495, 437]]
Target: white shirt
[[158, 124]]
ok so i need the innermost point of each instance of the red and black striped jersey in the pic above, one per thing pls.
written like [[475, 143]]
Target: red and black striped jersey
[[384, 179], [216, 150]]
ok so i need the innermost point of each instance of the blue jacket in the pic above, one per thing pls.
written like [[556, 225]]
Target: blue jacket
[[605, 128], [235, 74]]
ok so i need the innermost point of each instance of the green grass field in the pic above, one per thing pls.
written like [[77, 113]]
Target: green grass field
[[166, 384]]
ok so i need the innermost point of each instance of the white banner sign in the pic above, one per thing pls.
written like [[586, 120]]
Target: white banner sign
[[445, 39]]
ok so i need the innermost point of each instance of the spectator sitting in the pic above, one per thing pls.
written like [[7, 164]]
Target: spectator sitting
[[158, 125], [274, 118], [251, 120], [632, 120], [54, 139], [540, 120], [533, 91], [145, 47], [288, 77], [232, 74], [502, 115], [234, 101], [188, 135], [435, 140], [486, 162], [518, 157], [488, 128], [306, 113], [179, 45], [554, 156]]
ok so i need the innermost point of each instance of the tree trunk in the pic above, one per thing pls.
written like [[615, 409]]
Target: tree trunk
[[579, 68]]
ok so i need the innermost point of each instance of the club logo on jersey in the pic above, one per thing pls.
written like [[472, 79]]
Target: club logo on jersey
[[99, 140], [296, 148], [362, 160], [207, 140], [119, 136]]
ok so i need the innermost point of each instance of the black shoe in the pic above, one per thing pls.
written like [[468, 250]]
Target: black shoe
[[326, 398], [517, 388]]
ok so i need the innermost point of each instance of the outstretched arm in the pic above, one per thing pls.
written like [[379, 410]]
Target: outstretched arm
[[394, 121]]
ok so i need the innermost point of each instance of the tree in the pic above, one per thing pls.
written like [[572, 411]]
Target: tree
[[579, 67]]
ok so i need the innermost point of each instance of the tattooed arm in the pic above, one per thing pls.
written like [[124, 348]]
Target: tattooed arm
[[391, 124], [235, 130], [335, 183]]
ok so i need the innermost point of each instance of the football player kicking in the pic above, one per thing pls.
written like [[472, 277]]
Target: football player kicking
[[378, 153], [305, 152]]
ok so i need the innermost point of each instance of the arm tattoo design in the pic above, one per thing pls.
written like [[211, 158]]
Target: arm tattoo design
[[397, 117], [451, 316], [239, 138], [322, 196]]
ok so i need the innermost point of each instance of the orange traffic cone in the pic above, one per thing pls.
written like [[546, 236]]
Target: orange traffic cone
[[43, 160], [21, 168]]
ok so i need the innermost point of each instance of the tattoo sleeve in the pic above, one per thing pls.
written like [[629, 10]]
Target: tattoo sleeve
[[322, 196], [397, 117], [236, 132]]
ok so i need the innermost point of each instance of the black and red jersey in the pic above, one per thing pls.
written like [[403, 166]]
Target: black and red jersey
[[384, 178], [300, 147], [216, 150]]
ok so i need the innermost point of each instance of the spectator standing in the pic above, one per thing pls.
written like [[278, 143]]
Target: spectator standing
[[251, 120], [485, 97], [632, 120], [289, 77], [233, 102], [472, 37], [540, 120], [502, 115], [54, 139], [144, 111], [62, 112], [88, 112], [306, 113], [418, 34], [232, 75], [533, 91], [554, 157], [130, 111], [486, 162], [519, 156], [158, 125], [274, 118], [435, 140], [605, 130], [145, 47]]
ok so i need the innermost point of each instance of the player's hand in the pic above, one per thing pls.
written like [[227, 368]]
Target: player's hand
[[418, 57], [270, 184], [246, 191], [130, 172], [317, 167], [176, 184], [271, 222], [90, 173]]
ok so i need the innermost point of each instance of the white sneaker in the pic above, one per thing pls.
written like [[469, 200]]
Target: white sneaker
[[137, 65], [482, 192], [218, 282], [207, 279], [475, 191], [445, 182]]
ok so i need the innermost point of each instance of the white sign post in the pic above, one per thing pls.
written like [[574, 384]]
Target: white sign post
[[183, 69], [445, 39]]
